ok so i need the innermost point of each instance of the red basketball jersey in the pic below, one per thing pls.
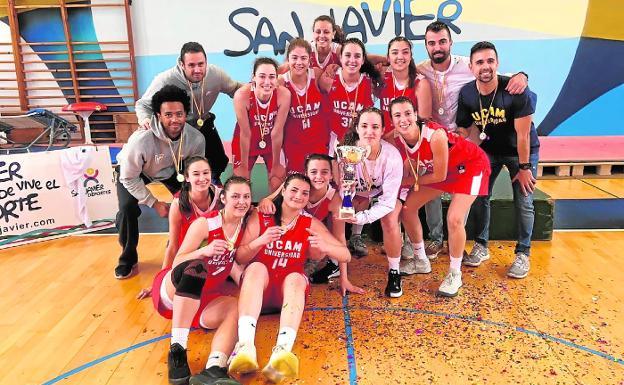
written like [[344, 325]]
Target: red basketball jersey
[[218, 266], [261, 118], [461, 151], [288, 254], [332, 58], [344, 103], [187, 220], [320, 209], [389, 92], [305, 131]]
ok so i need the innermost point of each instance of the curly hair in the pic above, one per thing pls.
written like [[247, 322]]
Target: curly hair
[[170, 93]]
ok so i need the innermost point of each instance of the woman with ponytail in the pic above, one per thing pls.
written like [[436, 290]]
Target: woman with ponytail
[[377, 185], [192, 291], [276, 246], [196, 198], [402, 79], [350, 90]]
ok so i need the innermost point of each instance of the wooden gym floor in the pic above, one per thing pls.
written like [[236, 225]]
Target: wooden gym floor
[[66, 320]]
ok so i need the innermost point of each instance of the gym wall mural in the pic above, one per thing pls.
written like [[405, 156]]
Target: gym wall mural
[[573, 51]]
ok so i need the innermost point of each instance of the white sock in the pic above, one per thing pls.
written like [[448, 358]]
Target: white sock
[[180, 336], [247, 329], [217, 359], [419, 250], [356, 230], [286, 337], [393, 263], [456, 263]]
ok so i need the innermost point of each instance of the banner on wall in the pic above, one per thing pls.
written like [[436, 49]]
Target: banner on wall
[[56, 193]]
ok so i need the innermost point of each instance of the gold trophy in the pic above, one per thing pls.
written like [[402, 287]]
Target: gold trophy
[[349, 157]]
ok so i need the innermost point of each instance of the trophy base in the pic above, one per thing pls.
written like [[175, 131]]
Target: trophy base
[[346, 213]]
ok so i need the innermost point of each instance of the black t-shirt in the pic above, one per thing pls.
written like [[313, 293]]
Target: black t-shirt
[[500, 117]]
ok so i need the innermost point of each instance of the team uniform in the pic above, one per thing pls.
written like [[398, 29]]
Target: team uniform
[[261, 117], [344, 103], [217, 270], [332, 58], [305, 131], [283, 257], [391, 91], [468, 166], [320, 209], [188, 219]]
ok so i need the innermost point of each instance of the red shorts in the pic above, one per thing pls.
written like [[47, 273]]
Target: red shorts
[[208, 295], [296, 157], [470, 178], [273, 297], [266, 155]]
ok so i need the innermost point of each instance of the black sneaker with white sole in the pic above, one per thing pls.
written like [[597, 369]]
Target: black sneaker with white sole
[[214, 375], [394, 288], [126, 271], [179, 371], [330, 270]]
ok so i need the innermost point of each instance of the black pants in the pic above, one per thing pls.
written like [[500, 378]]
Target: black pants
[[127, 220], [215, 153]]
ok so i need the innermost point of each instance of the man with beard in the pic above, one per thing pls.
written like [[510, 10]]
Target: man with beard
[[447, 74], [503, 123], [202, 82], [150, 155]]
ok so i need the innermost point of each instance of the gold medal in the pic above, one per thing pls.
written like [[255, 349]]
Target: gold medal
[[262, 144], [483, 136], [180, 178], [440, 111], [200, 122]]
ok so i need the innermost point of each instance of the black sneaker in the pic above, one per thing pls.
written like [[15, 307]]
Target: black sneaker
[[330, 270], [394, 289], [126, 271], [214, 375], [179, 371]]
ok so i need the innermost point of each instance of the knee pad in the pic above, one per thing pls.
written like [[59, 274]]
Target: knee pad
[[188, 278]]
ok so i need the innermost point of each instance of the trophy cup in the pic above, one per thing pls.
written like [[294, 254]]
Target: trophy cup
[[349, 157]]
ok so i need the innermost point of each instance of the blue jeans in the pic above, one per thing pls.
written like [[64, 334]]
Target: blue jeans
[[433, 211], [525, 212]]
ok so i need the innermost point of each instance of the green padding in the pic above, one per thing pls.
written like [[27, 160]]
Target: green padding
[[502, 217], [259, 180]]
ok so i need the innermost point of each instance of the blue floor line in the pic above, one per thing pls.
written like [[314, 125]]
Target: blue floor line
[[350, 348], [349, 335]]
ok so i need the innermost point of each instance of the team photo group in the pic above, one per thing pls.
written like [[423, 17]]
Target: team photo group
[[348, 138]]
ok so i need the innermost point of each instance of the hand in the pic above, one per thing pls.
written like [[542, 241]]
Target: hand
[[216, 247], [352, 220], [348, 287], [271, 234], [278, 171], [144, 293], [318, 242], [145, 124], [266, 206], [242, 170], [526, 181], [517, 84], [330, 70], [161, 208]]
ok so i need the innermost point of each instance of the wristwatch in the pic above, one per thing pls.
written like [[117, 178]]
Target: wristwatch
[[524, 166]]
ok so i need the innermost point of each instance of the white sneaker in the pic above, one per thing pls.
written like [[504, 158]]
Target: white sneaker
[[415, 266], [281, 365], [243, 359], [451, 284]]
